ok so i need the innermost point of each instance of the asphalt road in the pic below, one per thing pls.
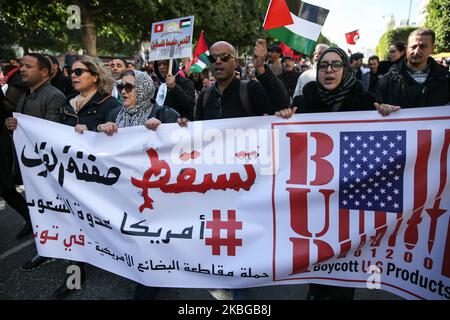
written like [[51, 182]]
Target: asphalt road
[[102, 285]]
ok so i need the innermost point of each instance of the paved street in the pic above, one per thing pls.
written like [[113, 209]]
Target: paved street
[[102, 285]]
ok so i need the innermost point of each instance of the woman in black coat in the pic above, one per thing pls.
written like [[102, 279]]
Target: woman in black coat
[[335, 90], [86, 110], [93, 104]]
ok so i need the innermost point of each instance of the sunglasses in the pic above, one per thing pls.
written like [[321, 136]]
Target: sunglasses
[[225, 57], [127, 86], [335, 66], [79, 71]]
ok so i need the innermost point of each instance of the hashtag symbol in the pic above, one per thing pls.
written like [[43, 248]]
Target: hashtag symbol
[[230, 226]]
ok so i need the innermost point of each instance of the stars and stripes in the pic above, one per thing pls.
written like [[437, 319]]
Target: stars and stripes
[[372, 168]]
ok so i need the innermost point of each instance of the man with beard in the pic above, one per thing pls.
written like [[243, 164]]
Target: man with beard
[[418, 81], [118, 66], [290, 75]]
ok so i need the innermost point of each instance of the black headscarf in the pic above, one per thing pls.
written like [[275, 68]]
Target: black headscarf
[[335, 97]]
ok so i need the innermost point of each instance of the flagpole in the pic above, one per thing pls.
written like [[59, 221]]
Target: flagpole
[[409, 15]]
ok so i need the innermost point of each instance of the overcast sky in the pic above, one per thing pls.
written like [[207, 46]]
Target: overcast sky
[[369, 16]]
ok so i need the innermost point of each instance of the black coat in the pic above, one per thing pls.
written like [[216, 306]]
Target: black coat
[[182, 97], [357, 100], [266, 96], [97, 111], [395, 87]]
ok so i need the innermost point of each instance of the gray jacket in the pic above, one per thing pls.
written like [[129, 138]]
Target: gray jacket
[[46, 103]]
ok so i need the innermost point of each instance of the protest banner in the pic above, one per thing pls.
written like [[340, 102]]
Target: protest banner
[[347, 199], [172, 39]]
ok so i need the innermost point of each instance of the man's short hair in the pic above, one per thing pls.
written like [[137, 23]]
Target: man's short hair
[[43, 61], [374, 58], [286, 58], [125, 62], [356, 56], [274, 48], [424, 32], [53, 59]]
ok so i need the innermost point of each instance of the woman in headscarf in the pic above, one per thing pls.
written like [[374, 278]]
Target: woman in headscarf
[[335, 90], [137, 90]]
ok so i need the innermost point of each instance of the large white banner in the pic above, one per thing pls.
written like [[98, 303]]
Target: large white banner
[[346, 199]]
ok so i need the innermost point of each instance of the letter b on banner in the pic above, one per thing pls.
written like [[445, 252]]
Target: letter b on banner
[[74, 20], [300, 163]]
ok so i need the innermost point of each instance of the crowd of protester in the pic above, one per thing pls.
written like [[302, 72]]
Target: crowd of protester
[[99, 96]]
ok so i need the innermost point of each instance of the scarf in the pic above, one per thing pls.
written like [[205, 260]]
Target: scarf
[[336, 97], [136, 115], [79, 101]]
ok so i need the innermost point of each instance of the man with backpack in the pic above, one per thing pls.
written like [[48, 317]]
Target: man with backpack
[[230, 97]]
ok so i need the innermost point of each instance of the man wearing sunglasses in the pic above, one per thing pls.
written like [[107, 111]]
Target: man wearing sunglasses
[[232, 98]]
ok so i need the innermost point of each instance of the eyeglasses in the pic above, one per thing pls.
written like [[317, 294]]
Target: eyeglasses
[[127, 86], [225, 57], [79, 71], [335, 66]]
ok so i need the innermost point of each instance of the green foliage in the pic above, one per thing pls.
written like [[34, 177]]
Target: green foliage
[[399, 34], [438, 20], [121, 25], [7, 54]]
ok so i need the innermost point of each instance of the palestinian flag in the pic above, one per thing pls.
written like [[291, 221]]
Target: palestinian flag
[[296, 23], [185, 23], [200, 61]]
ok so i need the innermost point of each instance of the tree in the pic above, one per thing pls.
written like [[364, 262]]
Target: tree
[[399, 34], [438, 20]]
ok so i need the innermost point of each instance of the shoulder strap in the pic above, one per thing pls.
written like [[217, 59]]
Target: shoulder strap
[[204, 96], [243, 92]]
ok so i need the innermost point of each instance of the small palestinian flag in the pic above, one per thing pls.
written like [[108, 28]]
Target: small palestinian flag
[[185, 23], [200, 61], [296, 23], [352, 37]]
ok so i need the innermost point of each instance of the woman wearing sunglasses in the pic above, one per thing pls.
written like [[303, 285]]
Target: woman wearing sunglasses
[[336, 89], [92, 105], [137, 90]]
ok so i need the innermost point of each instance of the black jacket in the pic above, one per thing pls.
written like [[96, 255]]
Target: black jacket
[[182, 97], [290, 80], [266, 96], [97, 111], [357, 100], [396, 87], [64, 84]]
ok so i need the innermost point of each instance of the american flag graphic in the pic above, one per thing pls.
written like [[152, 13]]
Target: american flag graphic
[[371, 170]]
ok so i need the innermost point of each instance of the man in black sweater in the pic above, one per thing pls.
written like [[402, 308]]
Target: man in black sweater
[[225, 100]]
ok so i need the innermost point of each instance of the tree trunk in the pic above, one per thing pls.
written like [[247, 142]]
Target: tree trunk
[[89, 31]]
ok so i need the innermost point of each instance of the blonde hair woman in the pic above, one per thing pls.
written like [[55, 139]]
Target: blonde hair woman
[[93, 104]]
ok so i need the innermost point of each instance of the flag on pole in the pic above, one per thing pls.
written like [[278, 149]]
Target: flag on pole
[[352, 37], [296, 23], [201, 52]]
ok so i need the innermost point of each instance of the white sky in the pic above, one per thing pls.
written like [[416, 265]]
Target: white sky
[[369, 16]]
